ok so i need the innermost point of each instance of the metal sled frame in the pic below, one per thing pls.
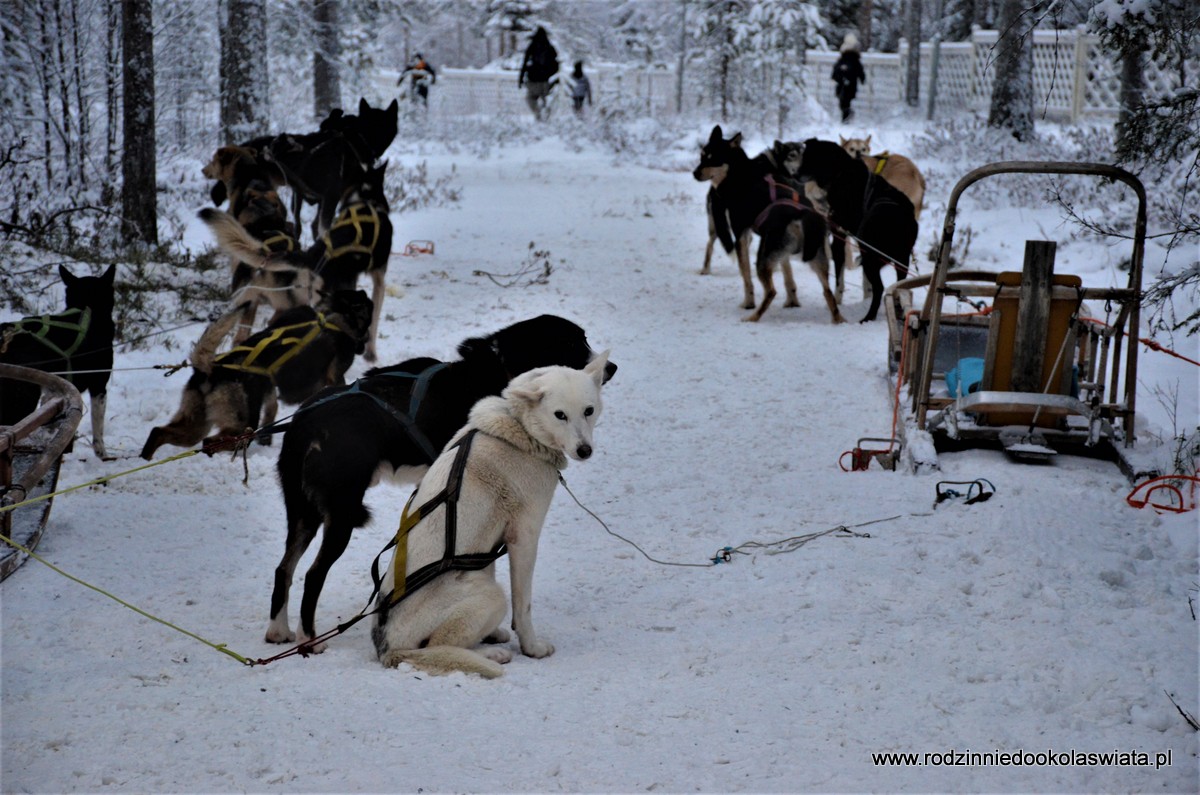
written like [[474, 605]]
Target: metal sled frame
[[923, 341]]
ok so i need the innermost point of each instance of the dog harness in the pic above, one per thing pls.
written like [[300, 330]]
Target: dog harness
[[782, 195], [279, 243], [39, 327], [285, 342], [880, 162], [363, 218], [407, 419], [404, 584]]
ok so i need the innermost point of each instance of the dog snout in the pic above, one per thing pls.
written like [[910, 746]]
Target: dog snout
[[584, 451]]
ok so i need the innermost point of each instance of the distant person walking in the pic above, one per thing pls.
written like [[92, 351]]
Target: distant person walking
[[581, 88], [848, 73], [422, 76], [539, 65]]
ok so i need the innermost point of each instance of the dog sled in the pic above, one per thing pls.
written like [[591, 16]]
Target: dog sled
[[1032, 361], [30, 457]]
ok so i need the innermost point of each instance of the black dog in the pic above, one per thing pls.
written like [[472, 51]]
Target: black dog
[[866, 206], [302, 351], [77, 343], [318, 166], [759, 198], [392, 421]]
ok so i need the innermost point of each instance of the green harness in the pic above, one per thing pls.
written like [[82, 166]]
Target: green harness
[[77, 320], [266, 356]]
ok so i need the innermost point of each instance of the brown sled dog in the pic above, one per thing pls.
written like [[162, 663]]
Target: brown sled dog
[[900, 172], [303, 351]]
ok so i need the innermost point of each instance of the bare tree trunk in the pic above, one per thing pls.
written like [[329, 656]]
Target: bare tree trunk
[[864, 24], [138, 166], [66, 118], [327, 83], [112, 82], [1133, 89], [912, 32], [81, 105], [244, 100], [42, 68], [1012, 91]]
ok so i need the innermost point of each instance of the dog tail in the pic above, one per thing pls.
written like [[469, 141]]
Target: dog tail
[[233, 238], [205, 350], [439, 660]]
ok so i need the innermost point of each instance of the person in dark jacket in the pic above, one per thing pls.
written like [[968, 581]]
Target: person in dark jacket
[[422, 76], [540, 64], [847, 74]]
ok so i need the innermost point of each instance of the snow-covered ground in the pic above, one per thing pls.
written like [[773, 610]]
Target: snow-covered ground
[[1050, 618]]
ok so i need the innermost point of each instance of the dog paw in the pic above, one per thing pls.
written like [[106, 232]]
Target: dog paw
[[497, 654], [537, 649], [792, 302], [498, 635], [308, 647], [280, 634], [752, 318]]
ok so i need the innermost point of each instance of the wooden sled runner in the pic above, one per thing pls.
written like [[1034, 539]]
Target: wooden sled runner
[[30, 456]]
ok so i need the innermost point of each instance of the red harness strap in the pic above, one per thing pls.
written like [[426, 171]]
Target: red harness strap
[[782, 195]]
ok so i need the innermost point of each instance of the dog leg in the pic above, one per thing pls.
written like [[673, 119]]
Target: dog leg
[[708, 250], [378, 290], [99, 406], [301, 531], [789, 283], [333, 544], [743, 257], [522, 555], [185, 429], [872, 265], [768, 258], [820, 266]]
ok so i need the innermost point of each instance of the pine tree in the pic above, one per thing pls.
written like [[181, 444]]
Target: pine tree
[[1012, 90], [327, 84]]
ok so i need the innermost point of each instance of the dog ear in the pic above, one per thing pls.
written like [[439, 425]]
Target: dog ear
[[528, 396], [363, 107], [595, 368], [716, 135], [394, 109], [736, 140], [867, 143], [67, 277], [110, 275], [842, 140]]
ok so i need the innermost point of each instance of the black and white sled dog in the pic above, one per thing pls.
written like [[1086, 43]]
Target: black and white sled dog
[[511, 449], [391, 423]]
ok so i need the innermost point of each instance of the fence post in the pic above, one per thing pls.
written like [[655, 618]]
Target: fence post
[[1079, 86]]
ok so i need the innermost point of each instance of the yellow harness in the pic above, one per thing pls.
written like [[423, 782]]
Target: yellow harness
[[287, 341], [279, 243], [880, 162], [365, 221]]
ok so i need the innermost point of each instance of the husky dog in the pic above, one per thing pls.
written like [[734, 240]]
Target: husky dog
[[898, 170], [866, 206], [360, 241], [760, 198], [77, 342], [299, 353], [520, 442], [391, 424]]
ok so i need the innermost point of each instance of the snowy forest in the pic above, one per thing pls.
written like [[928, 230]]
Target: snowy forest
[[105, 101]]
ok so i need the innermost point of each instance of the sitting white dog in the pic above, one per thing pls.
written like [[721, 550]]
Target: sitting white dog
[[520, 442]]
